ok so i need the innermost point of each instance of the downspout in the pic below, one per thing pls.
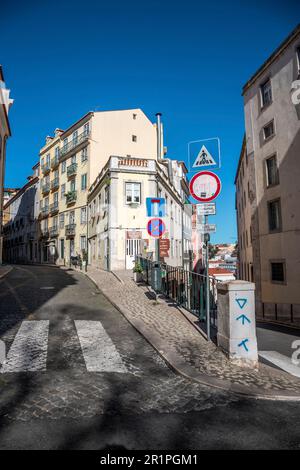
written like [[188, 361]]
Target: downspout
[[160, 158]]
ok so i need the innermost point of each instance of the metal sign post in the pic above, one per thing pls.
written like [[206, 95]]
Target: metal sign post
[[206, 239]]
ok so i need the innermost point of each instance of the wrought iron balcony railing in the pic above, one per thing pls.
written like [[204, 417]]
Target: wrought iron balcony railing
[[71, 197], [53, 232], [55, 183], [45, 233], [74, 143], [45, 211], [70, 230], [54, 208], [45, 168], [54, 162], [45, 188], [72, 169]]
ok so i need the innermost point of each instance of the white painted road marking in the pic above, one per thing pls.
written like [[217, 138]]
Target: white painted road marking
[[281, 361], [29, 349], [98, 350]]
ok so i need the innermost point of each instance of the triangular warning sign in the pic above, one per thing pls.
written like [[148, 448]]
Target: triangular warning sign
[[204, 158]]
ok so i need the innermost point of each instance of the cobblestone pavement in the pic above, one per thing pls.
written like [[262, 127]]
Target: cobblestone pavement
[[164, 324], [64, 388], [4, 270]]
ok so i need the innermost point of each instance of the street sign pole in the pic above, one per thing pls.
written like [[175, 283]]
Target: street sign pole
[[207, 286]]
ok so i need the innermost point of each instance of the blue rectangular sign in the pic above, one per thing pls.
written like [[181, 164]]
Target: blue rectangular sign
[[156, 206]]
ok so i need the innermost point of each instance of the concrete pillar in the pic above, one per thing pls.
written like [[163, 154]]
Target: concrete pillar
[[236, 322]]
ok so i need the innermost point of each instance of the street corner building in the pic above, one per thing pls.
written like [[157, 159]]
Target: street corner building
[[88, 196], [268, 185], [5, 133]]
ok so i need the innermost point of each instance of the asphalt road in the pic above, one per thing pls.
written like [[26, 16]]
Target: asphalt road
[[78, 376]]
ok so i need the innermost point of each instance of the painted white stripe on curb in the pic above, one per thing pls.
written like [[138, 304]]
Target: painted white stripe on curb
[[29, 349], [281, 361], [98, 350]]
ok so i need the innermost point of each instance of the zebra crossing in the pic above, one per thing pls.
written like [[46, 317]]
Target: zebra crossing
[[28, 352]]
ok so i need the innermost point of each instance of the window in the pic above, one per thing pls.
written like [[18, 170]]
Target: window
[[83, 215], [84, 155], [73, 159], [56, 152], [65, 142], [274, 213], [134, 138], [106, 195], [298, 58], [83, 181], [48, 159], [272, 171], [63, 166], [75, 137], [134, 116], [55, 198], [62, 190], [83, 242], [86, 129], [266, 93], [73, 185], [133, 193], [268, 130], [277, 271], [61, 221]]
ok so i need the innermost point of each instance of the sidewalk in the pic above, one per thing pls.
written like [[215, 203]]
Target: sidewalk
[[169, 331]]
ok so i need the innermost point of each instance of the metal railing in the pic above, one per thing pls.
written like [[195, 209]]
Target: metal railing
[[72, 169], [74, 143], [70, 230], [54, 162], [186, 288], [53, 231], [45, 188], [54, 207], [55, 183], [71, 196]]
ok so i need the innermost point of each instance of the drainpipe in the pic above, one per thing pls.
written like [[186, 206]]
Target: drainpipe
[[160, 157]]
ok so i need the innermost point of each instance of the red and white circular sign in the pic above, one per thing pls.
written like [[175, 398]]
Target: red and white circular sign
[[205, 186]]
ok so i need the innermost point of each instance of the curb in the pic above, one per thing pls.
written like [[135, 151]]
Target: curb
[[6, 272], [183, 369]]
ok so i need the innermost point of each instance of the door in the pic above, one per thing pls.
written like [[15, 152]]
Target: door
[[72, 247], [133, 249]]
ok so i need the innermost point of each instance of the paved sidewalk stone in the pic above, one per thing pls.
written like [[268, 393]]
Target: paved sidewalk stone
[[184, 348]]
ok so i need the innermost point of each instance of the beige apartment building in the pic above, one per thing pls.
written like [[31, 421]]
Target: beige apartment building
[[70, 162], [117, 230], [268, 184], [5, 133]]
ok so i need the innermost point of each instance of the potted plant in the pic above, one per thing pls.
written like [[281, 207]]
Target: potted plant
[[137, 272]]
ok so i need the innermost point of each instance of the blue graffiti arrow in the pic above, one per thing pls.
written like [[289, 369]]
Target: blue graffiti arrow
[[243, 343], [243, 318], [241, 302]]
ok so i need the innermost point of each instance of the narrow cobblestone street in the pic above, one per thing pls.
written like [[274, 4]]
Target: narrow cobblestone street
[[133, 399]]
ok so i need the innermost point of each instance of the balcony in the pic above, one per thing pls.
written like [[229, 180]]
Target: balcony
[[45, 188], [70, 230], [72, 170], [53, 232], [45, 168], [45, 211], [71, 197], [55, 184], [54, 208], [73, 144], [54, 162], [44, 233]]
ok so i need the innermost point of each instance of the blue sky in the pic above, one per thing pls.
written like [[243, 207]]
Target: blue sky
[[187, 59]]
